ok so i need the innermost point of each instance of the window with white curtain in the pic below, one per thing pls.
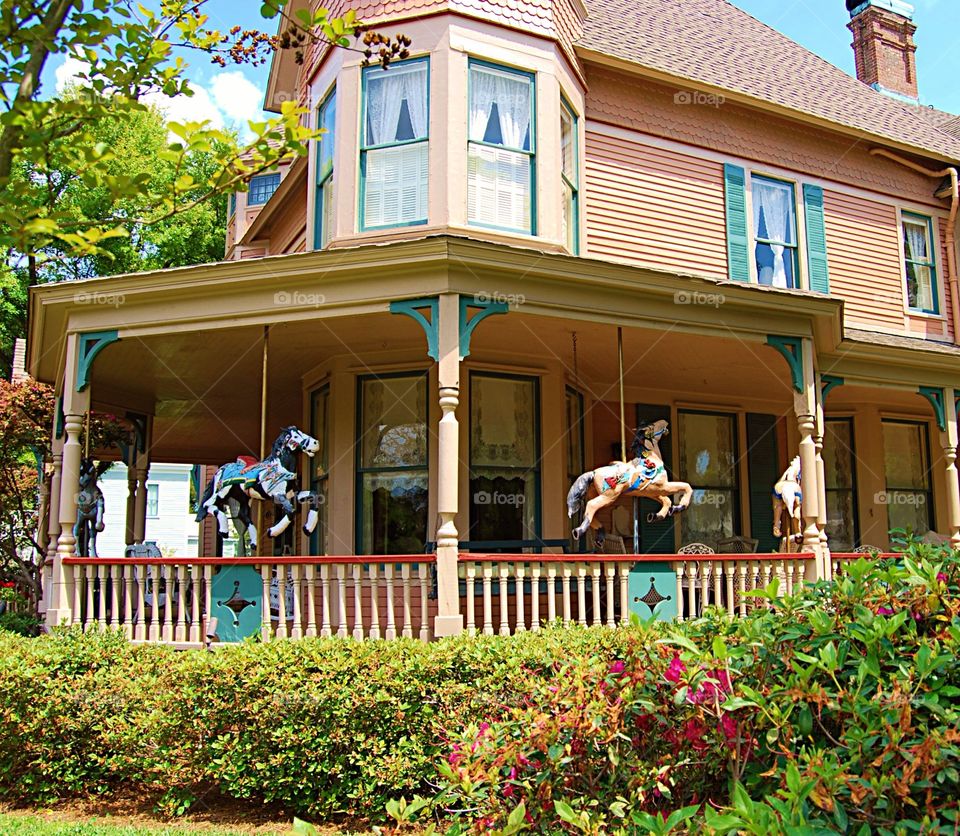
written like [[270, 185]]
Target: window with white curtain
[[393, 156], [323, 208], [921, 268], [500, 151], [570, 176], [775, 232]]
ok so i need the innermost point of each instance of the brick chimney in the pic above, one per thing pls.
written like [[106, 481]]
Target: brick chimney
[[883, 46]]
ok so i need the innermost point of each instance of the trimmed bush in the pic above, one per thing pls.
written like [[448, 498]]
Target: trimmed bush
[[823, 712]]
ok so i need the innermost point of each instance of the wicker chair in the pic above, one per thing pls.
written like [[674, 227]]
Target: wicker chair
[[737, 545], [694, 549], [867, 550]]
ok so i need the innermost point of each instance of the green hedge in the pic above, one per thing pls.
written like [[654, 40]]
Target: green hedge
[[834, 710]]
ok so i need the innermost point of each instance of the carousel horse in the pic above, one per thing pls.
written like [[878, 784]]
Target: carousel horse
[[643, 476], [236, 483], [787, 497], [90, 507]]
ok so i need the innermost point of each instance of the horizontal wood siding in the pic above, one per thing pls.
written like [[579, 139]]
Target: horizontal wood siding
[[863, 248], [647, 205]]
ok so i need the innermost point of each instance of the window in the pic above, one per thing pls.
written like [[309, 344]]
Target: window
[[908, 497], [392, 464], [153, 501], [393, 158], [504, 457], [323, 207], [921, 267], [500, 150], [232, 209], [843, 529], [708, 461], [262, 188], [775, 232], [570, 176], [319, 464]]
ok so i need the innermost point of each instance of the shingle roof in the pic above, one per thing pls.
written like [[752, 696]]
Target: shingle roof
[[712, 42]]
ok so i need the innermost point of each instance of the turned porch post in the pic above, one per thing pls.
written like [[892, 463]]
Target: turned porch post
[[142, 470], [131, 500], [449, 620], [53, 516], [821, 480], [805, 405], [948, 441]]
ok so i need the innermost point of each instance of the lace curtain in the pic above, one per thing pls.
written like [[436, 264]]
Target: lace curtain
[[387, 90], [512, 98], [915, 242], [773, 201]]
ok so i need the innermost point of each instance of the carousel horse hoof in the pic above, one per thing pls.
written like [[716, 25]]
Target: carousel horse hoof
[[652, 518], [576, 534], [676, 509]]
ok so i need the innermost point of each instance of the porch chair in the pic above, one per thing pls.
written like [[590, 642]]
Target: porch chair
[[738, 545], [694, 549]]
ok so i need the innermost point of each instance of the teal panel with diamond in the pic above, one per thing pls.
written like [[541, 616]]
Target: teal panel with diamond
[[236, 601], [652, 590]]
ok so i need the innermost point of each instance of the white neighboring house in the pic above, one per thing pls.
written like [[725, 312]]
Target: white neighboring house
[[170, 522]]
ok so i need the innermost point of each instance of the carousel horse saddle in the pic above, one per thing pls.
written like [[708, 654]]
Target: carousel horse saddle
[[637, 475]]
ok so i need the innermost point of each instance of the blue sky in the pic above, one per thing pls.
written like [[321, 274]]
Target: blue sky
[[231, 96]]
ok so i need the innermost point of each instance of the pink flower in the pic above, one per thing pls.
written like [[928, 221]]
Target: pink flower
[[675, 670], [617, 668], [513, 773], [941, 577], [484, 728], [508, 791], [729, 727], [884, 611]]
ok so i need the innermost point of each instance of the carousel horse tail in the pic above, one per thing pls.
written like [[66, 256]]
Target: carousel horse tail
[[202, 504], [577, 492]]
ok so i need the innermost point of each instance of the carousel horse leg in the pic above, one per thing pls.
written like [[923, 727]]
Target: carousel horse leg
[[777, 514], [599, 539], [596, 504], [666, 508], [246, 520], [673, 488], [284, 523], [313, 512]]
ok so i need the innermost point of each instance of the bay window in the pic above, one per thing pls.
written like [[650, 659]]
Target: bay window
[[921, 269], [500, 150], [323, 206], [393, 155], [775, 232]]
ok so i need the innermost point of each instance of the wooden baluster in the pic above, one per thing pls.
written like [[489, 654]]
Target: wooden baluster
[[357, 601], [706, 570], [374, 631], [116, 602], [391, 631], [281, 632], [405, 572], [169, 598], [504, 570], [742, 567], [729, 571], [266, 573], [325, 615], [781, 570], [582, 594], [610, 570], [790, 567], [535, 570], [196, 574], [487, 569], [765, 569], [567, 571], [296, 629], [595, 591], [103, 574], [679, 567], [310, 573], [424, 572], [692, 568], [470, 570], [551, 592], [207, 600], [623, 571], [151, 587], [180, 633], [801, 571], [342, 631], [521, 620], [76, 617], [717, 583]]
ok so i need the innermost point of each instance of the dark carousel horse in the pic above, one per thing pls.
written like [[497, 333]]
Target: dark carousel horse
[[90, 507], [236, 483]]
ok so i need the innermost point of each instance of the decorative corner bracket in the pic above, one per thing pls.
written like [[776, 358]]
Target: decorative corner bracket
[[936, 398], [90, 345], [468, 324], [827, 383], [792, 350], [414, 308]]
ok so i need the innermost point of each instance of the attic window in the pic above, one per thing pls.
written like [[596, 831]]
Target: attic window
[[262, 188]]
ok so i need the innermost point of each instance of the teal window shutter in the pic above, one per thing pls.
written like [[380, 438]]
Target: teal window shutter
[[738, 248], [816, 238], [762, 459]]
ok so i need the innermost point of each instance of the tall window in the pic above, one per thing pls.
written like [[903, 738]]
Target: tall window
[[504, 457], [921, 266], [393, 157], [392, 464], [153, 501], [843, 528], [500, 151], [708, 461], [262, 188], [908, 497], [570, 174], [319, 465], [323, 208], [775, 232]]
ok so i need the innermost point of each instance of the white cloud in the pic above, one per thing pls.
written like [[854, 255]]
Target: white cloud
[[196, 108], [237, 96], [66, 73]]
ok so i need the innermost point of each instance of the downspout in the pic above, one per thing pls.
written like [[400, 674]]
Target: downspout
[[952, 280]]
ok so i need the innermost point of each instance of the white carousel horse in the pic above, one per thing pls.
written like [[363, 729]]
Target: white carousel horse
[[90, 507], [643, 476], [236, 483], [787, 497]]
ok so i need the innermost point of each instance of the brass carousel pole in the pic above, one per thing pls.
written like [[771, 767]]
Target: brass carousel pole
[[261, 512], [623, 426]]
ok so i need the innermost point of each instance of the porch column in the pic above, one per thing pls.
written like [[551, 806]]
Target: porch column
[[805, 408], [53, 519], [948, 440], [142, 468], [131, 502], [822, 481], [449, 620]]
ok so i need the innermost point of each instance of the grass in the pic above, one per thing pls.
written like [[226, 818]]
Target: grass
[[18, 824]]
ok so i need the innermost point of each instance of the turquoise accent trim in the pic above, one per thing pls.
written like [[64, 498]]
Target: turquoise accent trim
[[828, 382], [936, 398], [90, 345], [413, 308], [468, 323], [738, 247], [236, 599], [930, 263], [792, 350], [652, 587]]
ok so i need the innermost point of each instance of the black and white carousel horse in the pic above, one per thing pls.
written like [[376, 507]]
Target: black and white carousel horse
[[236, 483], [90, 507]]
